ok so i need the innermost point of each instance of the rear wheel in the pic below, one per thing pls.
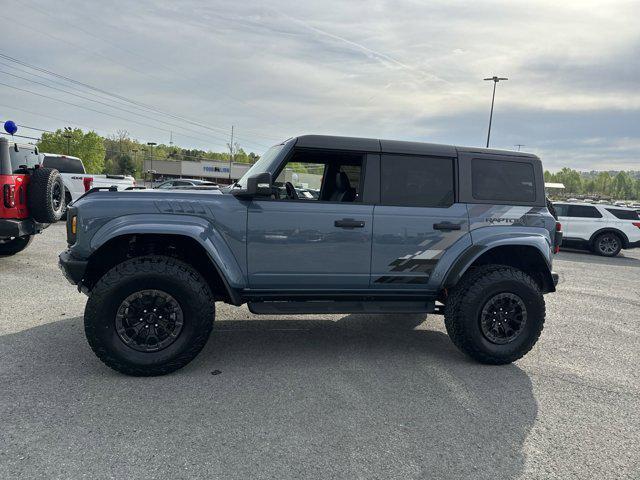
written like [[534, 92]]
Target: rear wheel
[[495, 314], [13, 245], [607, 244], [149, 316]]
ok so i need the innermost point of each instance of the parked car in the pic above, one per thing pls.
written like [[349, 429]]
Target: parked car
[[603, 229], [397, 227], [184, 183], [76, 179], [32, 197]]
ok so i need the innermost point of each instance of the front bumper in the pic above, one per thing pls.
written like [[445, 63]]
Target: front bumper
[[555, 277], [10, 227], [72, 268]]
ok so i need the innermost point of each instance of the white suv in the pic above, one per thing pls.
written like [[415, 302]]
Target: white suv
[[604, 229]]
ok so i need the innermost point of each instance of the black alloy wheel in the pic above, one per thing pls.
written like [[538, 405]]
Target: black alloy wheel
[[57, 196], [503, 317], [149, 320]]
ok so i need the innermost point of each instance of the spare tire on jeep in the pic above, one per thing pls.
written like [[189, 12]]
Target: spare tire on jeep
[[46, 195]]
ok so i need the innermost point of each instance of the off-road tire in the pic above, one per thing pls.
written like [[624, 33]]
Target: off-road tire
[[464, 307], [598, 247], [46, 195], [11, 246], [166, 274]]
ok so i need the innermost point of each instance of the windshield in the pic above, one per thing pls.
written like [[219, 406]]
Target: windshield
[[260, 166]]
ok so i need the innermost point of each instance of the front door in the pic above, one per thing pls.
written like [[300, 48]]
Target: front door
[[315, 233]]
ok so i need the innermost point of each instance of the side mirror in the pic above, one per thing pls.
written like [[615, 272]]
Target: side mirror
[[257, 186]]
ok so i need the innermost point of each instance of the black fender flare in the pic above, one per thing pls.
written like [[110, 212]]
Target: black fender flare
[[474, 252]]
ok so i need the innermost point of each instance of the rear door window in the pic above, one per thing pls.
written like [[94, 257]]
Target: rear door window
[[64, 164], [502, 180], [624, 214], [23, 156], [416, 181], [583, 211]]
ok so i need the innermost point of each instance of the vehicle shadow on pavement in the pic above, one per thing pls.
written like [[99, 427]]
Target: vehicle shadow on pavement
[[360, 397]]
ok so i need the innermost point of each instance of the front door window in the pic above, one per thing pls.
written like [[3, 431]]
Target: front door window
[[320, 176]]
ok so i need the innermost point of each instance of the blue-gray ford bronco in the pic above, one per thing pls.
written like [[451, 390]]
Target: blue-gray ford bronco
[[320, 224]]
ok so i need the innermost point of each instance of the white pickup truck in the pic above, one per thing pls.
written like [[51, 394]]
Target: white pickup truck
[[76, 180]]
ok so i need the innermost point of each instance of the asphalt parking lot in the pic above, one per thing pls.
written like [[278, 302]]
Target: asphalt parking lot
[[324, 397]]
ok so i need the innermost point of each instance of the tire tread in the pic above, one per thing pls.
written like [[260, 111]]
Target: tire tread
[[155, 264], [470, 287]]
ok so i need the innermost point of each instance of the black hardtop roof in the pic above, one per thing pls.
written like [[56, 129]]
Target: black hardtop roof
[[396, 146]]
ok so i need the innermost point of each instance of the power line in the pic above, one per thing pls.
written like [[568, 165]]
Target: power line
[[20, 136], [154, 156], [96, 111], [128, 100], [101, 103], [75, 26]]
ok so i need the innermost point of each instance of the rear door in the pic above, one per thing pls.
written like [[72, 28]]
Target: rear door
[[584, 220], [417, 220]]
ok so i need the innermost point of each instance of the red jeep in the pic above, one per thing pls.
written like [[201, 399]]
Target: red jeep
[[32, 197]]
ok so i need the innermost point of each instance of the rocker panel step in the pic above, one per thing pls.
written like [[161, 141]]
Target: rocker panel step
[[323, 306]]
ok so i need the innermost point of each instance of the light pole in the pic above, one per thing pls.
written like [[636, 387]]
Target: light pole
[[135, 158], [151, 145], [495, 80], [67, 135]]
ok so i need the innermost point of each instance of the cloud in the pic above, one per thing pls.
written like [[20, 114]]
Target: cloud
[[396, 69]]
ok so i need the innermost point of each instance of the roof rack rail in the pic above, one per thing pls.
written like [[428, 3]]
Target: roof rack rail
[[136, 188], [112, 188]]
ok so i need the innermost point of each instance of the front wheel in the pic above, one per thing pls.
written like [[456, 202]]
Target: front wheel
[[149, 316], [495, 314], [13, 245]]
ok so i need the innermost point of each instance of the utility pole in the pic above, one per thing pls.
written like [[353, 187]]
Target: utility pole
[[171, 139], [151, 145], [495, 80], [135, 157], [232, 149], [519, 145]]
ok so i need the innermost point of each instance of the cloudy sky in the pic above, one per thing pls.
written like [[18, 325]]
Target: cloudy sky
[[395, 69]]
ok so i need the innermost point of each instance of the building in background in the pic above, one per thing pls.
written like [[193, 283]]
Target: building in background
[[206, 170]]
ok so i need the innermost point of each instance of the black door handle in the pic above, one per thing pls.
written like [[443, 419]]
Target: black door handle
[[349, 223], [446, 226]]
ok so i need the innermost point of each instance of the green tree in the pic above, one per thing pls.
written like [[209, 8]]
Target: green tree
[[571, 179], [623, 185], [603, 183], [87, 146], [589, 186], [125, 165]]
